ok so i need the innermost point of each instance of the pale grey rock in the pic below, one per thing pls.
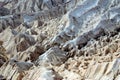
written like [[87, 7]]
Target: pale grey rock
[[16, 42], [54, 56], [44, 74], [9, 43], [110, 72], [23, 41], [106, 26], [82, 18], [22, 66]]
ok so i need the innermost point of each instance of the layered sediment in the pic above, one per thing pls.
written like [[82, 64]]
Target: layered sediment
[[62, 39]]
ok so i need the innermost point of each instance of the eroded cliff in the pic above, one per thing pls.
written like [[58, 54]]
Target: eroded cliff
[[60, 39]]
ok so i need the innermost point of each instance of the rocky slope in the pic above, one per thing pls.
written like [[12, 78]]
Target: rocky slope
[[59, 39]]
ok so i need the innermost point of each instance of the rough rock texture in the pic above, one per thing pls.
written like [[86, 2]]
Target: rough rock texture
[[60, 39]]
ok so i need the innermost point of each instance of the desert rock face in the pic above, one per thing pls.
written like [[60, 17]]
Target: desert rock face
[[60, 39]]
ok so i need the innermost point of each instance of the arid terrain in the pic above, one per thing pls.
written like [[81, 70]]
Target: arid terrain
[[59, 40]]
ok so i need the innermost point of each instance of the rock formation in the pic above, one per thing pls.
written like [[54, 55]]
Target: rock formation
[[63, 39]]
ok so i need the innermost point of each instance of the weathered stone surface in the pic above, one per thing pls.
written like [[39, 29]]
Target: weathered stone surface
[[44, 74], [100, 71], [4, 11], [63, 39], [54, 56]]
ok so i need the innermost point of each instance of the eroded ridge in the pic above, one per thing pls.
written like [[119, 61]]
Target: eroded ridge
[[60, 40]]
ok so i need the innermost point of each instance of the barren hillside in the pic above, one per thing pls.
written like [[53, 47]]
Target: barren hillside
[[59, 40]]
